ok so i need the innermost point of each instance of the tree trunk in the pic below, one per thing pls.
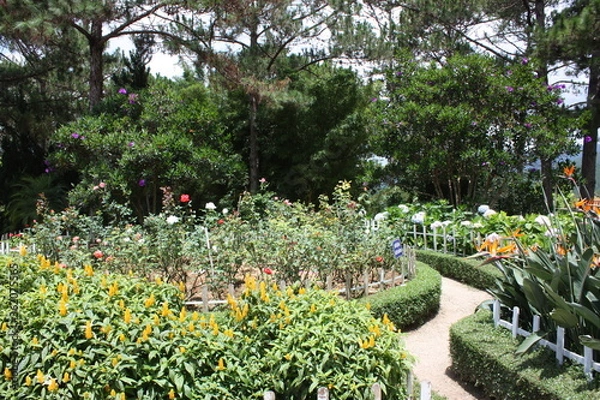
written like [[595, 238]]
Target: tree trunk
[[253, 160], [588, 157], [96, 43]]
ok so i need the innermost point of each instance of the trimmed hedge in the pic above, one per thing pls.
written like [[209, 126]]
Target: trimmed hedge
[[411, 304], [485, 356], [465, 270]]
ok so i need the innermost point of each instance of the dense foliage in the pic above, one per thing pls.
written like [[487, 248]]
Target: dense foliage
[[84, 333]]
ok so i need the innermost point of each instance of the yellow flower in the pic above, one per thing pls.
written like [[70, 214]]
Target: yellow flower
[[375, 330], [72, 364], [171, 394], [313, 308], [35, 341], [122, 337], [113, 393], [182, 314], [22, 251], [122, 304], [250, 282], [28, 381], [127, 316], [113, 289], [150, 301], [158, 280], [62, 308], [89, 271], [182, 287], [88, 330], [165, 312], [231, 301], [43, 289], [66, 377], [156, 319], [4, 327], [221, 365], [368, 306], [106, 329], [115, 361], [7, 374], [41, 378], [53, 385], [302, 291], [288, 356], [229, 333]]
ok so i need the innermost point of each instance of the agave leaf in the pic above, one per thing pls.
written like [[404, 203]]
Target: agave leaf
[[528, 343], [590, 342]]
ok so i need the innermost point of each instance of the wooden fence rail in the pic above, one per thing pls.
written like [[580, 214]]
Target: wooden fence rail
[[587, 360]]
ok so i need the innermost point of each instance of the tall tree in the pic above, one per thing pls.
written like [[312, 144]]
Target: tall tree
[[244, 41], [461, 131], [574, 37], [97, 21]]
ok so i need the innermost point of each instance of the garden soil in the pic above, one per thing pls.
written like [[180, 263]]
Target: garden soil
[[430, 343]]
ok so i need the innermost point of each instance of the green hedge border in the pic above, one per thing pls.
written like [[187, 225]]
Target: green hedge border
[[411, 304], [485, 356], [465, 270]]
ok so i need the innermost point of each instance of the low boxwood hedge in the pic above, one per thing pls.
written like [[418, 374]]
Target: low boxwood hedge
[[485, 356], [411, 304], [465, 270]]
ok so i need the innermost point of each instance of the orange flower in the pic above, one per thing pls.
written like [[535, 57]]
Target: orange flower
[[569, 171]]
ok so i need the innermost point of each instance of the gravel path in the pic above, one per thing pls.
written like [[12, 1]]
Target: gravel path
[[430, 343]]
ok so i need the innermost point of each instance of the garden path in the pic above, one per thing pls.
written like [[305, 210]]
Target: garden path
[[430, 342]]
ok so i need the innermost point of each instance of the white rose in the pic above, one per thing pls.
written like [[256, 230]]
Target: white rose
[[210, 206], [172, 219]]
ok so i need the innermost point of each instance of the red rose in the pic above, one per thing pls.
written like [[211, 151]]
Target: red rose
[[184, 198], [221, 221], [379, 259], [268, 271]]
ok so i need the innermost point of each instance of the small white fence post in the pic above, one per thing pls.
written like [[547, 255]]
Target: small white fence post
[[376, 389], [425, 390], [515, 321], [560, 345]]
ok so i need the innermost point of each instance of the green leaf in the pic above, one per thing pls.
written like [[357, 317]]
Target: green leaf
[[564, 318], [590, 342], [529, 341]]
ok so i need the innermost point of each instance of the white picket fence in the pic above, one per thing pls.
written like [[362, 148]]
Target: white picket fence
[[589, 365], [323, 392], [442, 239]]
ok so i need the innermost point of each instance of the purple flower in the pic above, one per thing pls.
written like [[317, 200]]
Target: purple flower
[[474, 123], [484, 164], [75, 135], [399, 73], [587, 139], [131, 144], [133, 98], [509, 73], [524, 60], [122, 91], [559, 101], [142, 182], [510, 89], [527, 125], [374, 99]]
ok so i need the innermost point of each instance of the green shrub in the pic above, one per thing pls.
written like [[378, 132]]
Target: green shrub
[[486, 356], [411, 304], [90, 334], [468, 271]]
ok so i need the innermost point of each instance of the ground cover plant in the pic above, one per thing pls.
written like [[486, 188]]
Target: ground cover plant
[[85, 333]]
